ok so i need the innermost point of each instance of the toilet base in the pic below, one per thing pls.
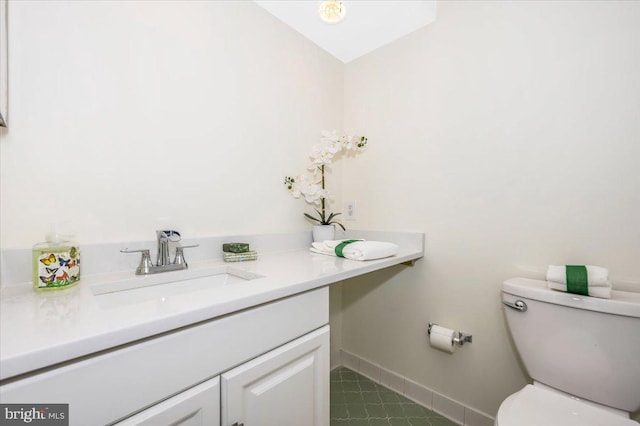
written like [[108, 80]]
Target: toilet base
[[539, 405]]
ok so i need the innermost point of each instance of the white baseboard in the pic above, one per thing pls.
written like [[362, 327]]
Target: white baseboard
[[428, 398]]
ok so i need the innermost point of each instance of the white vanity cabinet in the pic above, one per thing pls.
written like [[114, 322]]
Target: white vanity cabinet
[[270, 355], [287, 386], [198, 406]]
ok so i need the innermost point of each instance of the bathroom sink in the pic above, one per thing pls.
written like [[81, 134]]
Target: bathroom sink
[[170, 285]]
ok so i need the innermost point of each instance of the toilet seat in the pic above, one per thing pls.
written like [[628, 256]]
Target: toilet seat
[[536, 406]]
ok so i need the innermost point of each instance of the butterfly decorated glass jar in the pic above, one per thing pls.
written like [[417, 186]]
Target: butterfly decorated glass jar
[[56, 264]]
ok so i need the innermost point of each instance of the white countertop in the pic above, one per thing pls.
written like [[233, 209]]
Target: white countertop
[[38, 330]]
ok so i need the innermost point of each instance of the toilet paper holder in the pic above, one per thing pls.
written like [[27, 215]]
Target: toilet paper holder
[[460, 338]]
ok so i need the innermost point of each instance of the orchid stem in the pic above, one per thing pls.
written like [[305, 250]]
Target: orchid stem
[[323, 206]]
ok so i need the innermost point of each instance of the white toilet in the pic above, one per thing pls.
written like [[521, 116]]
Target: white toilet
[[583, 354]]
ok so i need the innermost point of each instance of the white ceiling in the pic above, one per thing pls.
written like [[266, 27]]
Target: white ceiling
[[366, 26]]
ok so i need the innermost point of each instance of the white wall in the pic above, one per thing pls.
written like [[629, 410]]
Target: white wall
[[126, 117], [510, 133]]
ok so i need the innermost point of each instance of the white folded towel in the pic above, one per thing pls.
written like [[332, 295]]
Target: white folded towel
[[597, 276], [329, 245], [580, 279], [603, 292], [356, 249]]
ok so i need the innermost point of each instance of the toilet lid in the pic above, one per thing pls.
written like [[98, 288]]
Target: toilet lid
[[535, 406]]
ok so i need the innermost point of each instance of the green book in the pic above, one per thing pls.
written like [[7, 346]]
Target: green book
[[235, 247]]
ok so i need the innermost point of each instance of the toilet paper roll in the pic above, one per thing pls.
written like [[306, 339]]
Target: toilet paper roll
[[442, 338]]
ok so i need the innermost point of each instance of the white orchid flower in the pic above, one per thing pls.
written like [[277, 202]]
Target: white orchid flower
[[330, 135], [311, 189], [348, 144], [311, 185]]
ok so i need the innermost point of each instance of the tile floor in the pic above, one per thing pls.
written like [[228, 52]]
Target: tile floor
[[358, 401]]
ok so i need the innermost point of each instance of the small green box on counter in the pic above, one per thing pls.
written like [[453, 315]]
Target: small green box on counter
[[235, 247]]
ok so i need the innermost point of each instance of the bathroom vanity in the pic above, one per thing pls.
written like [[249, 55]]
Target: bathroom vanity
[[231, 344]]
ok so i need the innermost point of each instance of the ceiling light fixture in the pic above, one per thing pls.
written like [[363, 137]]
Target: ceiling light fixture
[[332, 11]]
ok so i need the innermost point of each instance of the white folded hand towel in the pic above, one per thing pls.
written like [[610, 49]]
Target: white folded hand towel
[[603, 292], [329, 246], [597, 276], [356, 249]]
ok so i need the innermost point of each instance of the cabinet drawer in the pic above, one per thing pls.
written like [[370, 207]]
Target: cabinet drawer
[[198, 406], [140, 374]]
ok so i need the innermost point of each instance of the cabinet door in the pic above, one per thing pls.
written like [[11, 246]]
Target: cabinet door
[[287, 386], [198, 406]]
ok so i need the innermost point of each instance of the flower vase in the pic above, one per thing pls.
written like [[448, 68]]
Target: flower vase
[[323, 232]]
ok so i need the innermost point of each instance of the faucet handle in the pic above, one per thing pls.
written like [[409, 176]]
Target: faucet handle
[[126, 250], [145, 261], [179, 260]]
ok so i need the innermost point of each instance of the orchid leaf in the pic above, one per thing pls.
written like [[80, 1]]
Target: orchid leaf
[[321, 215], [331, 216], [315, 219]]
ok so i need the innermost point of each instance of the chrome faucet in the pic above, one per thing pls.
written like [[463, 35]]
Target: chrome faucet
[[163, 262], [164, 237]]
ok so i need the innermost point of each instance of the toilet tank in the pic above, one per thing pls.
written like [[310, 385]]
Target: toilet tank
[[581, 345]]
